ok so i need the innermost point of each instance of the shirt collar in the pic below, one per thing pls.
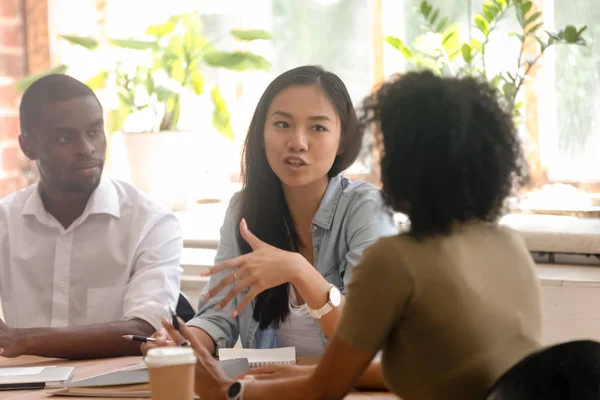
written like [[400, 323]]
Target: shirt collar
[[104, 200], [329, 203]]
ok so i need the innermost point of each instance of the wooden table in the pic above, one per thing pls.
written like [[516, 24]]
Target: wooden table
[[88, 368]]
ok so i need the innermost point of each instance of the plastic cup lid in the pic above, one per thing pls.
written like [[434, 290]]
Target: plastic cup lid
[[168, 356]]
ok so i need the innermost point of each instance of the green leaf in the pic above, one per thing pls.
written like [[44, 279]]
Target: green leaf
[[501, 4], [495, 82], [221, 119], [525, 7], [399, 45], [116, 119], [24, 83], [237, 60], [163, 93], [176, 71], [162, 29], [442, 25], [434, 16], [517, 35], [172, 114], [98, 81], [127, 98], [175, 46], [447, 36], [509, 89], [490, 10], [482, 24], [534, 17], [571, 35], [581, 30], [83, 41], [476, 45], [466, 53], [534, 28], [540, 42], [425, 63], [149, 83], [197, 80], [251, 34], [133, 44], [425, 9]]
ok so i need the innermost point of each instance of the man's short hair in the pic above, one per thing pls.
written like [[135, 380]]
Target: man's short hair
[[47, 90]]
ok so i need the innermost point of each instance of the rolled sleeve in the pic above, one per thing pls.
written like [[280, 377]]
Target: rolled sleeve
[[369, 220], [223, 329], [155, 283]]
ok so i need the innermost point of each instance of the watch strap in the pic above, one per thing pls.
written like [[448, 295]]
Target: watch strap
[[321, 312]]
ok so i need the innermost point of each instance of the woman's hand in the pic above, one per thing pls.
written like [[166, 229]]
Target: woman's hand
[[280, 371], [265, 267], [211, 382]]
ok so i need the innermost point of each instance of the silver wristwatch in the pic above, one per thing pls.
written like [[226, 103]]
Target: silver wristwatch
[[236, 389], [335, 299]]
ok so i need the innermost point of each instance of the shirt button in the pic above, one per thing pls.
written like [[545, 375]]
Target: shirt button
[[314, 228]]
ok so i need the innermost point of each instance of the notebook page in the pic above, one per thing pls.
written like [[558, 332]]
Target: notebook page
[[261, 357]]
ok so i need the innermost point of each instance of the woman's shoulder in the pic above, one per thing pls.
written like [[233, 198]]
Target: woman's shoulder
[[357, 193]]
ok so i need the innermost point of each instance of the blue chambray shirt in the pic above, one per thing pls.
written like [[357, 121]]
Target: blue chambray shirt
[[351, 217]]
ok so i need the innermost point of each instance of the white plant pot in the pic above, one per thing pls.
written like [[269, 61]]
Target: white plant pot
[[164, 166]]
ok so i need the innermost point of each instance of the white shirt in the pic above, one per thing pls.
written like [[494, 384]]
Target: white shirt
[[118, 261], [300, 330]]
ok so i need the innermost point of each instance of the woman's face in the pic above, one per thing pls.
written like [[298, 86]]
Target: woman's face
[[302, 135]]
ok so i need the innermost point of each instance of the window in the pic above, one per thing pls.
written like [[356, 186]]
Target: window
[[346, 36], [569, 99]]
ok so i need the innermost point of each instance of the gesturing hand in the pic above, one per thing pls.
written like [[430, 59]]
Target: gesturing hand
[[10, 341], [265, 267], [211, 382]]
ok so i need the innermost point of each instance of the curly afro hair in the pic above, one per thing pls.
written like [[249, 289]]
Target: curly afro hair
[[449, 152]]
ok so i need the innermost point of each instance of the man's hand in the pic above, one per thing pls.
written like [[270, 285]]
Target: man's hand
[[161, 341], [11, 342]]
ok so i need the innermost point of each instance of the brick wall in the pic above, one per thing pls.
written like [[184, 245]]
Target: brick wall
[[12, 68]]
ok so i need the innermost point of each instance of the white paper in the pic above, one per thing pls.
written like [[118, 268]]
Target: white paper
[[259, 357]]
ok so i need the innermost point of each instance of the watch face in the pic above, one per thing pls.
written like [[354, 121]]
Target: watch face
[[234, 390], [335, 297]]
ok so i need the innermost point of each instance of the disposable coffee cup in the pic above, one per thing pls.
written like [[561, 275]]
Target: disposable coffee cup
[[171, 372]]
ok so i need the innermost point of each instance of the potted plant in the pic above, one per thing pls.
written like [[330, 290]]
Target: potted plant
[[441, 49], [170, 60]]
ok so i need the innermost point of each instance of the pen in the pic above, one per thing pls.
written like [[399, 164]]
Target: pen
[[136, 338], [175, 323]]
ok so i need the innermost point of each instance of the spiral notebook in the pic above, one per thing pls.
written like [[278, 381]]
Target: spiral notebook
[[261, 357]]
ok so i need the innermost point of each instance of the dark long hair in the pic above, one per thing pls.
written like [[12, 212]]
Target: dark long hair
[[262, 202]]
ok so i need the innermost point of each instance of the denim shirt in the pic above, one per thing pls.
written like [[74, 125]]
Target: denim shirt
[[351, 217]]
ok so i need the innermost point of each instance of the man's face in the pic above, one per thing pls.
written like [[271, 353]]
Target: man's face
[[69, 145]]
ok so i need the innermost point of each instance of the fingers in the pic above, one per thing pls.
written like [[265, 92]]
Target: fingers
[[172, 332], [249, 237], [228, 280], [245, 301], [225, 265], [237, 288], [186, 334]]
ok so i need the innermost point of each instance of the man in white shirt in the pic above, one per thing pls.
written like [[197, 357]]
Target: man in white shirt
[[83, 259]]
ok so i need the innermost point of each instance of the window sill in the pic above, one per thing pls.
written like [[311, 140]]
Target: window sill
[[542, 233]]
